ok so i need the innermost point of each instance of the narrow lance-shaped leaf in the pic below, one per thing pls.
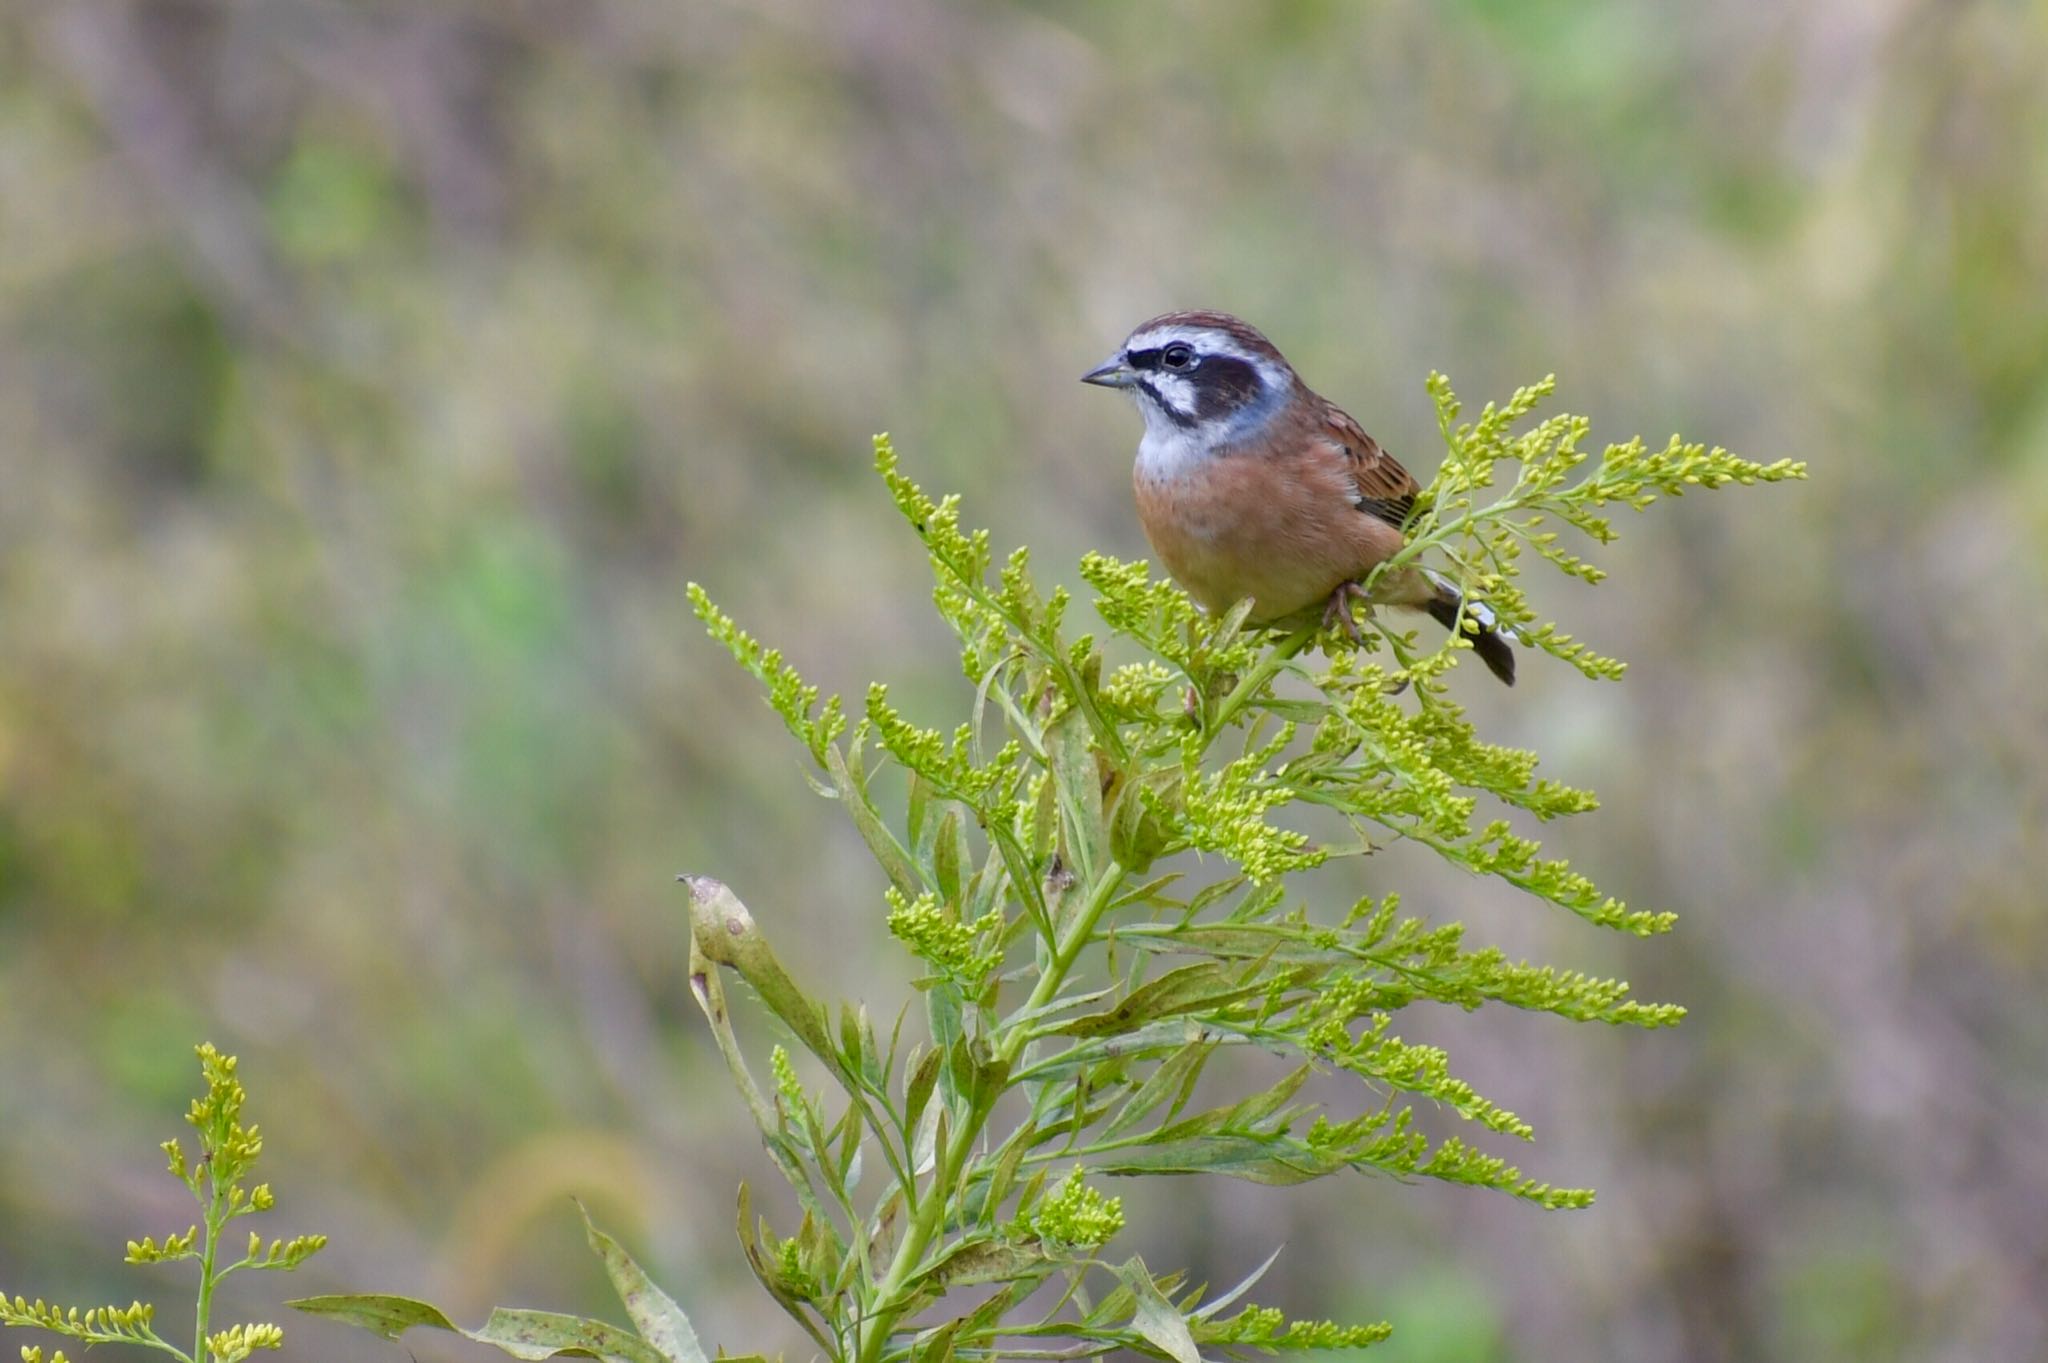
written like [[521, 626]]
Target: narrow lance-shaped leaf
[[655, 1315], [1156, 1318], [861, 809], [1186, 990], [523, 1334], [1174, 1077], [1077, 781]]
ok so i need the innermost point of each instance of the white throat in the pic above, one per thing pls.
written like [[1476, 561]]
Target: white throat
[[1169, 451]]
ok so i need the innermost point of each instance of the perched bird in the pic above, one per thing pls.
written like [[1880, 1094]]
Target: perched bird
[[1250, 484]]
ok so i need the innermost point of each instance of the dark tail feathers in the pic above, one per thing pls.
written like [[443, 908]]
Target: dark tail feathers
[[1491, 643]]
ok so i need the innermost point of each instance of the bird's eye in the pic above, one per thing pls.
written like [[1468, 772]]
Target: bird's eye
[[1178, 356]]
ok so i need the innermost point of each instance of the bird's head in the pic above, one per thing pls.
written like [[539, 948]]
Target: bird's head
[[1204, 378]]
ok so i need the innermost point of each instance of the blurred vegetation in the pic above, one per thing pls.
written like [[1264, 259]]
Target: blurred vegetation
[[372, 376]]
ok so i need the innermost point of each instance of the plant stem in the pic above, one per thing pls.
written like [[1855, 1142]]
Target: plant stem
[[213, 1220], [929, 1222], [1242, 693]]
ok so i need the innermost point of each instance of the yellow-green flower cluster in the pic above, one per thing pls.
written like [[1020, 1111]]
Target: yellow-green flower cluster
[[789, 1263], [787, 1084], [788, 694], [1076, 1216], [1159, 615], [1225, 812], [237, 1342], [1132, 691], [1328, 1334], [230, 1148], [947, 763], [1268, 1327], [1337, 1004], [962, 556], [938, 937], [283, 1254], [1425, 1070], [1486, 541], [1456, 1162], [94, 1325], [148, 1251]]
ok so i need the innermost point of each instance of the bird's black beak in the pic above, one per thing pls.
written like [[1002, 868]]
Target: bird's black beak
[[1111, 373]]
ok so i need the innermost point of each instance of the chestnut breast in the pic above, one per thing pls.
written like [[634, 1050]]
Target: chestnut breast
[[1281, 529]]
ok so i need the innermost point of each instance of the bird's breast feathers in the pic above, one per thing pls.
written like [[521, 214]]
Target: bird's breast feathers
[[1284, 530]]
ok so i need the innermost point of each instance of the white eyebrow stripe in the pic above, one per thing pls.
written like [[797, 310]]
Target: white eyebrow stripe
[[1205, 339]]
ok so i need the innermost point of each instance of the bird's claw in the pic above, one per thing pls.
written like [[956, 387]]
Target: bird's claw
[[1337, 610]]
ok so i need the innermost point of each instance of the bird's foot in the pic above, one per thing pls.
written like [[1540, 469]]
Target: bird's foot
[[1337, 610]]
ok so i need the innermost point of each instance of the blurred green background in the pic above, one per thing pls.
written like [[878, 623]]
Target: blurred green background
[[372, 377]]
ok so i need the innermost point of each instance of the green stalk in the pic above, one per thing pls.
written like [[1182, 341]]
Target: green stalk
[[213, 1221], [1241, 694], [931, 1214]]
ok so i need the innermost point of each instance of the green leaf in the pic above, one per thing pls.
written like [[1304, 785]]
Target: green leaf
[[1005, 1171], [1233, 942], [921, 795], [655, 1315], [545, 1334], [383, 1315], [817, 1247], [1186, 990], [1113, 1308], [768, 1272], [853, 793], [1079, 783], [1252, 1111], [529, 1335], [1259, 1161], [919, 1091], [992, 1310], [853, 1132], [1027, 1197], [1209, 1309], [987, 1261], [948, 1028], [990, 882], [883, 1222], [951, 856], [991, 1082], [1174, 1078], [938, 1348], [856, 1042], [1155, 1317]]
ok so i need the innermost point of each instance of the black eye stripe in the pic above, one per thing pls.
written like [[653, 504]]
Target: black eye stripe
[[1184, 357]]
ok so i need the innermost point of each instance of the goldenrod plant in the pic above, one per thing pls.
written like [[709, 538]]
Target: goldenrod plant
[[216, 1176], [1079, 972]]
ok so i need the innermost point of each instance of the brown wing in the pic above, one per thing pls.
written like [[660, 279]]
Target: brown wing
[[1385, 489]]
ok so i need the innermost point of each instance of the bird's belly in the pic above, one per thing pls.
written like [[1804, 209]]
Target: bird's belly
[[1242, 527]]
